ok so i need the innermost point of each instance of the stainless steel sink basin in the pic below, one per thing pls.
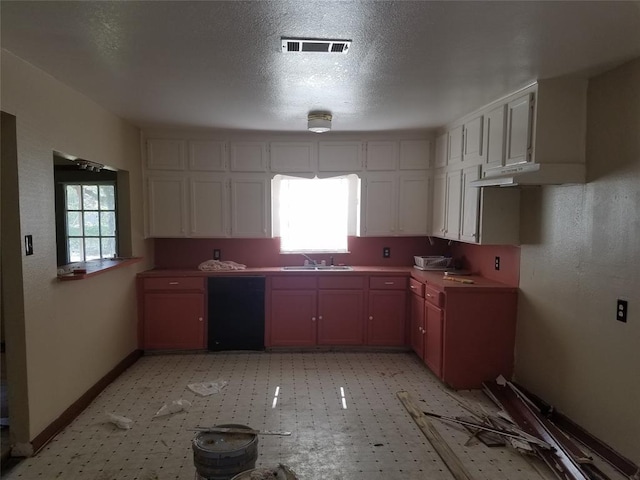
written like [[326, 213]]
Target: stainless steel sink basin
[[319, 268]]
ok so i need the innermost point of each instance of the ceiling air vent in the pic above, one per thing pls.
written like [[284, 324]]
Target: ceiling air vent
[[296, 45]]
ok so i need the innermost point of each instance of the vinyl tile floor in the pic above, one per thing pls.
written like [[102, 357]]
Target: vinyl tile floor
[[341, 408]]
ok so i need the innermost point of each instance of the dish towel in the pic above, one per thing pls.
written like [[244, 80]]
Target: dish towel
[[211, 265]]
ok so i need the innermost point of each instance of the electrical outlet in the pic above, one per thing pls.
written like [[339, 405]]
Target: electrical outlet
[[386, 252], [621, 311], [216, 254], [28, 244], [497, 264]]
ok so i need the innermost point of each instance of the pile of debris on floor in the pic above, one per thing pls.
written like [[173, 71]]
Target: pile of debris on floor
[[526, 424]]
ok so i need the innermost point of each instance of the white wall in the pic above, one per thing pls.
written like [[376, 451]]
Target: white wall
[[581, 253], [74, 332]]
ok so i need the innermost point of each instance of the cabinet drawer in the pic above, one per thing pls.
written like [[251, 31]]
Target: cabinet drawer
[[433, 296], [294, 283], [174, 283], [340, 283], [416, 287], [388, 283]]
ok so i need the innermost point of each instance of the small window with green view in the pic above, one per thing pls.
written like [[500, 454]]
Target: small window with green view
[[90, 217]]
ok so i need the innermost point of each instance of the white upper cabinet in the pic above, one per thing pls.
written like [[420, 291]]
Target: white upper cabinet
[[207, 155], [165, 154], [340, 156], [396, 204], [379, 205], [469, 205], [382, 155], [494, 127], [519, 123], [415, 154], [248, 157], [454, 146], [453, 204], [250, 200], [167, 206], [414, 204], [293, 157], [209, 207], [441, 150], [473, 141], [438, 222]]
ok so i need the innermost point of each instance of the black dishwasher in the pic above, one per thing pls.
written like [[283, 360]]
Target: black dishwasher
[[235, 313]]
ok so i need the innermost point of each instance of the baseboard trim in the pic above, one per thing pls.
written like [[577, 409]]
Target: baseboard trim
[[83, 402], [615, 459]]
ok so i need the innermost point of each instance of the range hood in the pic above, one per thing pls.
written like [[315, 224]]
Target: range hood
[[532, 174]]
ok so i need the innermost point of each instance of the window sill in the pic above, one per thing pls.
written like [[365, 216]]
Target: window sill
[[82, 270]]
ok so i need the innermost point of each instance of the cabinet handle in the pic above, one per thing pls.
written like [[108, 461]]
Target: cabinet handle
[[199, 319], [429, 295], [370, 317], [313, 319], [412, 287], [319, 317], [174, 283], [389, 283]]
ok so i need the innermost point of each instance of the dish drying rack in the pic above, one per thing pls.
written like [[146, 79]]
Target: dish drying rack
[[433, 262]]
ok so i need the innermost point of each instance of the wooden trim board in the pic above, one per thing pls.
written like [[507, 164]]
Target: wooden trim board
[[83, 402], [441, 447]]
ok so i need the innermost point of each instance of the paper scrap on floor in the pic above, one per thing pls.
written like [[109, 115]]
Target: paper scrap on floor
[[175, 407], [207, 388]]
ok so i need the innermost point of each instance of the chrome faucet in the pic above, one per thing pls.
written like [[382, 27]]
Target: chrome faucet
[[311, 260]]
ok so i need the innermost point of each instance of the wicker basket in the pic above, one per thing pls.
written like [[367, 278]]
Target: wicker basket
[[433, 261]]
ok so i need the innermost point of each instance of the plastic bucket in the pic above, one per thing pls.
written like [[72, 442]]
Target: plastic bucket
[[221, 456]]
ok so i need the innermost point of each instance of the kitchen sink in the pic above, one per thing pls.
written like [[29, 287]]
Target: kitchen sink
[[318, 268]]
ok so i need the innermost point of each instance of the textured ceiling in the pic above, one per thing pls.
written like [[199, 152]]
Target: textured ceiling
[[412, 65]]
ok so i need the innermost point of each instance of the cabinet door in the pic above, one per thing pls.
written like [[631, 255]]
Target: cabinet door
[[413, 204], [441, 150], [209, 206], [519, 119], [249, 201], [167, 206], [292, 157], [382, 155], [293, 318], [386, 319], [470, 205], [207, 155], [438, 223], [452, 210], [248, 157], [380, 205], [340, 315], [433, 351], [454, 148], [174, 321], [165, 154], [494, 122], [417, 335], [472, 150], [415, 154], [340, 157]]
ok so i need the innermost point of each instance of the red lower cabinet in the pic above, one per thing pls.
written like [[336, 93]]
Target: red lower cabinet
[[433, 351], [173, 313], [293, 318], [174, 321], [340, 317], [386, 319]]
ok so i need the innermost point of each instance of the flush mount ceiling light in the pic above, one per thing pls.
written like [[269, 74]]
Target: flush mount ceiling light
[[319, 122]]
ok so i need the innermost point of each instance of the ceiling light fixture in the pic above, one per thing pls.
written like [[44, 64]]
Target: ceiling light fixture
[[89, 166], [319, 122]]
